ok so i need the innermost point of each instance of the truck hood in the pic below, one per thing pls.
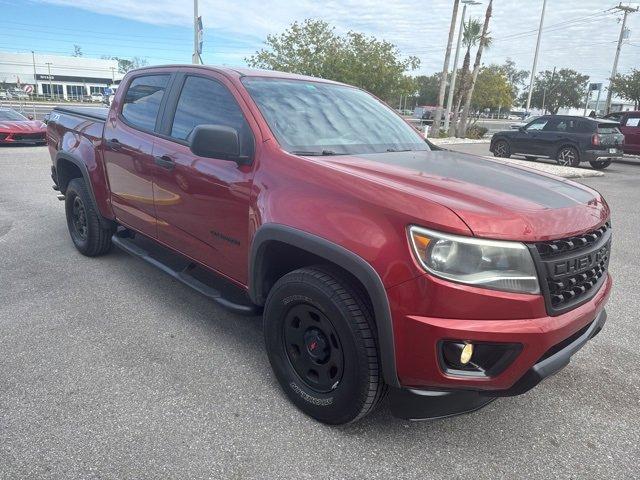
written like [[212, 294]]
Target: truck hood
[[495, 199], [25, 126]]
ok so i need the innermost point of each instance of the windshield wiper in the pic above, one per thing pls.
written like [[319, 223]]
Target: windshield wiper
[[399, 150], [316, 153]]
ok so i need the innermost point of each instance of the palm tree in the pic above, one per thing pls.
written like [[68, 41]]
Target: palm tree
[[483, 42], [471, 35]]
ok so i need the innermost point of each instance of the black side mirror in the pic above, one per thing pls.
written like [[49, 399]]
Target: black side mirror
[[521, 129], [216, 141], [30, 117]]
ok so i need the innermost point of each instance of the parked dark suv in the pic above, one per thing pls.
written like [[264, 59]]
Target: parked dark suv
[[568, 139]]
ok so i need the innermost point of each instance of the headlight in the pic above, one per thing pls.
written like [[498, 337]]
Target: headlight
[[492, 264]]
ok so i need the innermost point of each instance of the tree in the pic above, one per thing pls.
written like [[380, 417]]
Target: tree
[[427, 89], [471, 35], [313, 48], [514, 76], [565, 90], [484, 41], [125, 64], [77, 51], [445, 70], [628, 87], [493, 90]]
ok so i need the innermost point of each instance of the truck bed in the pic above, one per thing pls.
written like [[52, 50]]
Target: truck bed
[[94, 113]]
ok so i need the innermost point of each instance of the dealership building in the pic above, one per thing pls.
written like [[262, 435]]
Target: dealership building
[[68, 78]]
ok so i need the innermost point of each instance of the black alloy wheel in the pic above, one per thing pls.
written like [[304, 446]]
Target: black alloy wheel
[[313, 347], [79, 218], [568, 157], [501, 149]]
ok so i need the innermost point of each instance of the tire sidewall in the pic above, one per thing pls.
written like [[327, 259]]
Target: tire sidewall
[[342, 404], [70, 195]]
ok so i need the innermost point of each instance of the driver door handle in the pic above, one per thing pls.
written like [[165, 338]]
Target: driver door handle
[[165, 162]]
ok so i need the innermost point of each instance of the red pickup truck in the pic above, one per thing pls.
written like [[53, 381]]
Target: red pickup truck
[[381, 263]]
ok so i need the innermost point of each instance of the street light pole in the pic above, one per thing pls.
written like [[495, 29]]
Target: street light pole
[[50, 86], [454, 71], [195, 58], [614, 70], [35, 79], [535, 57]]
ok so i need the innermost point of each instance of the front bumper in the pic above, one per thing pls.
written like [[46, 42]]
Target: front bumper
[[23, 139], [421, 404]]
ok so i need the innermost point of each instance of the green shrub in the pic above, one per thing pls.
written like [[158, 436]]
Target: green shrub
[[476, 132]]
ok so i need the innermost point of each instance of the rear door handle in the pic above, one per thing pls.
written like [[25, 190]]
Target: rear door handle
[[165, 162]]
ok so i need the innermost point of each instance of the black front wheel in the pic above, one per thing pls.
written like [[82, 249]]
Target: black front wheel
[[502, 149], [89, 236], [600, 164], [320, 338]]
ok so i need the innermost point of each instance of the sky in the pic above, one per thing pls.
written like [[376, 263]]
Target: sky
[[578, 34]]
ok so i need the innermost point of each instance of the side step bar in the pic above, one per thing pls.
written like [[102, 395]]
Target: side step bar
[[183, 276]]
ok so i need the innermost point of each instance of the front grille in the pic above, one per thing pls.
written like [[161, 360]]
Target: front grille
[[28, 136], [572, 270]]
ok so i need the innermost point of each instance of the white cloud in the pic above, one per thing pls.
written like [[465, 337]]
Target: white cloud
[[418, 28]]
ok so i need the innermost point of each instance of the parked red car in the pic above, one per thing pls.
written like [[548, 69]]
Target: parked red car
[[630, 127], [380, 262], [16, 128]]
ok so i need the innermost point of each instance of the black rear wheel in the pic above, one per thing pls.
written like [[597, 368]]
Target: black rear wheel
[[321, 341], [502, 149], [88, 234], [568, 157], [530, 158], [600, 164]]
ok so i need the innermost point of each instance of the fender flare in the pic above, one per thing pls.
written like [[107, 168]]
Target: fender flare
[[87, 180], [346, 259]]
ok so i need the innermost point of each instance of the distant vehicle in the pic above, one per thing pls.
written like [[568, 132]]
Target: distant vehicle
[[16, 128], [426, 112], [630, 127], [523, 122], [5, 95], [568, 139], [19, 94]]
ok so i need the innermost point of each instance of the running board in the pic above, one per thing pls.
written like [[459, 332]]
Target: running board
[[183, 276]]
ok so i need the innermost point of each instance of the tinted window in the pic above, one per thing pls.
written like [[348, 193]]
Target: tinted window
[[323, 118], [561, 125], [606, 128], [12, 115], [142, 101], [537, 124], [207, 102]]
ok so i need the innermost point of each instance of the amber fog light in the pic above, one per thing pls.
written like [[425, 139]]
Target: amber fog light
[[476, 359]]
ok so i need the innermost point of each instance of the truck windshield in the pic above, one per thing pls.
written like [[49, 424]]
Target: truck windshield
[[315, 118]]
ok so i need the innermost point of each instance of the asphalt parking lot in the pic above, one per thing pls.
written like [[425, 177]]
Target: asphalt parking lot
[[110, 369]]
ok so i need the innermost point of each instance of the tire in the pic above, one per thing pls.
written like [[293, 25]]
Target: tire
[[530, 158], [321, 342], [600, 164], [88, 235], [502, 149], [568, 157]]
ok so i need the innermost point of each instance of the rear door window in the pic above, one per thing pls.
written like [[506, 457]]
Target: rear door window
[[142, 101]]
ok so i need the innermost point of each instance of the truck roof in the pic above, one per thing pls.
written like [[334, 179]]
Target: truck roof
[[239, 72]]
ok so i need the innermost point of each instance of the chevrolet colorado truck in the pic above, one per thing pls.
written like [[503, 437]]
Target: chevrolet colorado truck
[[382, 264]]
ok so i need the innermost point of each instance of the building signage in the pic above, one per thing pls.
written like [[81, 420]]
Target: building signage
[[71, 78]]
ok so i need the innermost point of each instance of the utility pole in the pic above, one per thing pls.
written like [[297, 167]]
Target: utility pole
[[50, 86], [535, 57], [627, 11], [435, 128], [454, 71], [197, 32], [35, 79]]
